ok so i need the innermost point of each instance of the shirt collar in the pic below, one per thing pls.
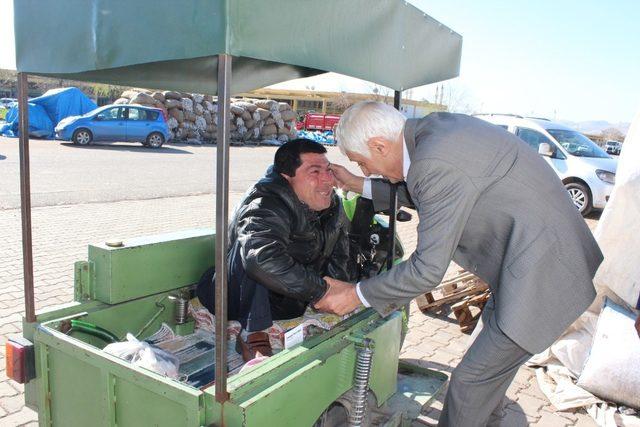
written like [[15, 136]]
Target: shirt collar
[[406, 161]]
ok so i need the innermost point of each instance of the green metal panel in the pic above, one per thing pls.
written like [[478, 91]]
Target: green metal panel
[[149, 265], [83, 386], [385, 361], [389, 42], [278, 392]]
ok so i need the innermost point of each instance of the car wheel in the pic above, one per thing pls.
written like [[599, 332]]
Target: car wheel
[[82, 137], [155, 140], [580, 196]]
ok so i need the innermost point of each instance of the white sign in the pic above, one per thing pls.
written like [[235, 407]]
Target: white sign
[[293, 336]]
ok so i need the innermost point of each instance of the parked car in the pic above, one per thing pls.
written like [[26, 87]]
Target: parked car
[[613, 147], [586, 170], [7, 102], [125, 123]]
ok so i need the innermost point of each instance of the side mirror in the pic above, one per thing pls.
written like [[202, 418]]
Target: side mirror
[[544, 149], [98, 118], [403, 216]]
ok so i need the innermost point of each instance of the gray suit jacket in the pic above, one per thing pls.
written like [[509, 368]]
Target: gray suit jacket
[[494, 206]]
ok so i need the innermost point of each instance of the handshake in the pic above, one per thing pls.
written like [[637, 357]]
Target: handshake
[[341, 298]]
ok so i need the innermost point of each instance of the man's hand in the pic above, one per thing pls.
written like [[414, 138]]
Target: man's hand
[[341, 298], [346, 180]]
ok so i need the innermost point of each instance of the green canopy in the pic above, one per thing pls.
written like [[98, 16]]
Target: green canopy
[[168, 44]]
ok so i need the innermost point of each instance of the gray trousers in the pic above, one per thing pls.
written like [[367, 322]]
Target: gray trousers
[[479, 382]]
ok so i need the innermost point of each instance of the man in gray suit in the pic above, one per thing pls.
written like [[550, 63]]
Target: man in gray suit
[[491, 204]]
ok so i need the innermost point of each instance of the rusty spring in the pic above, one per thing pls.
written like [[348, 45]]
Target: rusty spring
[[361, 384]]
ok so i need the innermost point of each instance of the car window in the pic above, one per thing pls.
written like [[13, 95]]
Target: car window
[[533, 138], [140, 114], [109, 114], [577, 144], [137, 114]]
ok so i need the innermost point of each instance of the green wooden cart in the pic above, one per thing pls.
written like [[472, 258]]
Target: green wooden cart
[[197, 46]]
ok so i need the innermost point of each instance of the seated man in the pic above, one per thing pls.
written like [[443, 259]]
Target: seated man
[[288, 232]]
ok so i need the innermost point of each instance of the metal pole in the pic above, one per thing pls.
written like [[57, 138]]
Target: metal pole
[[25, 197], [393, 201], [222, 213]]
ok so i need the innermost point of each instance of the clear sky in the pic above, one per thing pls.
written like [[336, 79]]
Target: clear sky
[[569, 59]]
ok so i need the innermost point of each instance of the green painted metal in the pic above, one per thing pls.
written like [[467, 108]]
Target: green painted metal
[[292, 388], [393, 44], [82, 281], [274, 392], [148, 265], [296, 386], [111, 391]]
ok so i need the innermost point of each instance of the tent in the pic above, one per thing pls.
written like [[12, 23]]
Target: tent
[[46, 111]]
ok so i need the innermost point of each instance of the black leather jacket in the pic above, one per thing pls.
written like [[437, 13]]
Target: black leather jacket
[[284, 245]]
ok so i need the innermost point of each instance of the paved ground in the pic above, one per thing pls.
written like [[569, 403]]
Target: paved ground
[[61, 233]]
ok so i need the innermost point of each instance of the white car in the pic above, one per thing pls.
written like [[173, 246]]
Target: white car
[[586, 170]]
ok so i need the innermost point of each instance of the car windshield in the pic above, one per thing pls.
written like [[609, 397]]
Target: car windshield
[[577, 144]]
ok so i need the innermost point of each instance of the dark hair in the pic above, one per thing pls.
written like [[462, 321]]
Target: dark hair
[[287, 158]]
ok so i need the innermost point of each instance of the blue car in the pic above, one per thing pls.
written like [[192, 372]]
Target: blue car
[[130, 123]]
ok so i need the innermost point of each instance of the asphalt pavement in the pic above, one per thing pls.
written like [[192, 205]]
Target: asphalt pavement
[[65, 174]]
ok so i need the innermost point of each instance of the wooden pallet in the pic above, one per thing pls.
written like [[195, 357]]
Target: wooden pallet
[[460, 292], [461, 310]]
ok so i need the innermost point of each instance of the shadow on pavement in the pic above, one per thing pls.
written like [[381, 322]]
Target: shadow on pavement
[[127, 147], [595, 214]]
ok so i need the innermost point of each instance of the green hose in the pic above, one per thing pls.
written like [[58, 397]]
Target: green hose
[[94, 330]]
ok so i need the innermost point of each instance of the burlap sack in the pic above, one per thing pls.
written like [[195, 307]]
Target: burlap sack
[[159, 96], [235, 109], [288, 115], [172, 103], [269, 130], [248, 106], [263, 113], [187, 104], [143, 99], [176, 114], [172, 95], [267, 104]]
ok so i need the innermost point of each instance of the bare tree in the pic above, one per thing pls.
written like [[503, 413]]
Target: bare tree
[[612, 134], [381, 93], [341, 102], [456, 99]]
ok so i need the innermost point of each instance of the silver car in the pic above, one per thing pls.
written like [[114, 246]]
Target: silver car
[[586, 170]]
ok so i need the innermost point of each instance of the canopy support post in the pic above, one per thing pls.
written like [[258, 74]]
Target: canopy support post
[[393, 201], [222, 214], [25, 197]]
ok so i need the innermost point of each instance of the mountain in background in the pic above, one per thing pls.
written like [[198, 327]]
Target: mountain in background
[[595, 127]]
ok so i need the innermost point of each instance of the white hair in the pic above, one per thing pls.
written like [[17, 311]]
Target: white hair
[[366, 120]]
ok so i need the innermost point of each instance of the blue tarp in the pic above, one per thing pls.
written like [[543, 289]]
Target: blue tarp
[[325, 137], [40, 125], [46, 111]]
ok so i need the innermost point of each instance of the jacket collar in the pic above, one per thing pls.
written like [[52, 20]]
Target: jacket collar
[[410, 136]]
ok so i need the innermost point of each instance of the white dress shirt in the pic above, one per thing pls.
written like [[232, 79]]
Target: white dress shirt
[[366, 193]]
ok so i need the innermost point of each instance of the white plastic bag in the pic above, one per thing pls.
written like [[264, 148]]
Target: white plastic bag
[[146, 356]]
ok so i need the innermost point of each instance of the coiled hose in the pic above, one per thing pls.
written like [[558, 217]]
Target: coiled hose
[[93, 330]]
